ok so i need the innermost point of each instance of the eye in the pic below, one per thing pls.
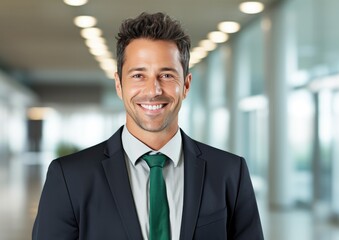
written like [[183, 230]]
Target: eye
[[137, 76], [167, 76]]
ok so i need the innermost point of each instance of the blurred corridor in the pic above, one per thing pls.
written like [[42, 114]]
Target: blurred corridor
[[270, 93]]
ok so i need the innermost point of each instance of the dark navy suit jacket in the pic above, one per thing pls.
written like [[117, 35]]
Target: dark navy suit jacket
[[87, 195]]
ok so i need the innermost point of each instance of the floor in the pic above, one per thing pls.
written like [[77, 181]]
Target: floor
[[22, 177]]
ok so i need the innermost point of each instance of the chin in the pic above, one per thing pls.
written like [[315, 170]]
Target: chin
[[152, 127]]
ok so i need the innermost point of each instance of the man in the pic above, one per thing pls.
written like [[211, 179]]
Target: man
[[112, 191]]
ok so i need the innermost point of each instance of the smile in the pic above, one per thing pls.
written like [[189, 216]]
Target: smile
[[152, 107]]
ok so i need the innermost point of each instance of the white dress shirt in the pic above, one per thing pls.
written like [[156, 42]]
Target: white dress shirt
[[173, 173]]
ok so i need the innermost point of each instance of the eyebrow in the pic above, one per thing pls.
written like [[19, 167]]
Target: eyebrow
[[139, 69], [169, 69], [143, 69]]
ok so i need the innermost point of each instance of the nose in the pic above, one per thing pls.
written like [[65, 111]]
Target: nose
[[154, 87]]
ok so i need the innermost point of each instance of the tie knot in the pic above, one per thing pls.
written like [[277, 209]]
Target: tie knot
[[156, 160]]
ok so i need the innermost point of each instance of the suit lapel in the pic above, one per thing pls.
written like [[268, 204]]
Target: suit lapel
[[117, 177], [194, 173]]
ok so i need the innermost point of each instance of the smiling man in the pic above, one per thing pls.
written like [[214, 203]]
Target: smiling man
[[149, 180], [152, 87]]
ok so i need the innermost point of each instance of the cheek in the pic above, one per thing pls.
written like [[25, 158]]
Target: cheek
[[178, 90], [175, 92], [129, 90]]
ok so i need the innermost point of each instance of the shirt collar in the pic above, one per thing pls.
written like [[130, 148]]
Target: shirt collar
[[134, 148]]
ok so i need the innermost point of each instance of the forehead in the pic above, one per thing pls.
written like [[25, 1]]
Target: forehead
[[151, 50]]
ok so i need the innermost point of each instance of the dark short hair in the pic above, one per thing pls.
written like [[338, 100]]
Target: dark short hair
[[158, 26]]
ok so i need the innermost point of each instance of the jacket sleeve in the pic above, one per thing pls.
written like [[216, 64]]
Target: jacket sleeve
[[245, 222], [55, 219]]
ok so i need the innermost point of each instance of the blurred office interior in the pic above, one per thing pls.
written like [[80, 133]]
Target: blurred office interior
[[270, 92]]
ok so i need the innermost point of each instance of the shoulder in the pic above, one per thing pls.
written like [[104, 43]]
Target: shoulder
[[220, 166], [77, 170], [83, 159], [217, 156], [208, 149], [210, 153], [88, 160], [217, 162]]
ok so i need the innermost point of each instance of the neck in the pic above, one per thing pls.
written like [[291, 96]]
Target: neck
[[154, 140]]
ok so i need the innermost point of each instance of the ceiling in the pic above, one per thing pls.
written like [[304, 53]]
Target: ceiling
[[39, 40]]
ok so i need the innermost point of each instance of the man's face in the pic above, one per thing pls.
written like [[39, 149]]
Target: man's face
[[152, 85]]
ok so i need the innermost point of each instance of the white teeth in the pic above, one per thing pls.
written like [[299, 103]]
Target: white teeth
[[152, 107]]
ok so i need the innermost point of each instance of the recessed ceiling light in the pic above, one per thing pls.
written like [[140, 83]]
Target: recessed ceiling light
[[194, 60], [196, 57], [229, 27], [251, 7], [102, 47], [85, 21], [75, 2], [103, 58], [108, 65], [99, 52], [207, 44], [191, 64], [108, 60], [110, 74], [90, 33], [95, 42], [217, 37], [199, 52]]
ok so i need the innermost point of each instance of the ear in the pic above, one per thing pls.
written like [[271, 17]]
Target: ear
[[187, 84], [118, 84]]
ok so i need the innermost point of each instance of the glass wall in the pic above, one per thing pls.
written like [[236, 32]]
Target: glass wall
[[14, 100], [216, 98], [317, 53], [306, 53], [335, 157], [252, 100], [301, 116], [78, 127], [197, 103]]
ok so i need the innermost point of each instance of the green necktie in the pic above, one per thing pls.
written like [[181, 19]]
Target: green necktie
[[159, 212]]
